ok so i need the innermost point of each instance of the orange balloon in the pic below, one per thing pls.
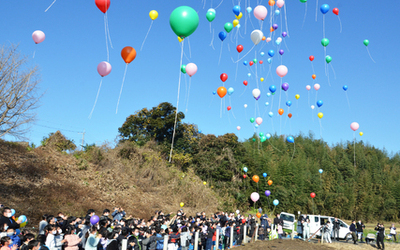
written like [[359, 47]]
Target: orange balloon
[[128, 54], [263, 38], [270, 182], [280, 111], [221, 91], [290, 115], [271, 2], [256, 178], [258, 215], [313, 76], [271, 29]]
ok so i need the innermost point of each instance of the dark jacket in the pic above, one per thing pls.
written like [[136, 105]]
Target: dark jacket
[[210, 232], [381, 231], [278, 221], [360, 227], [9, 221], [336, 225], [353, 228], [112, 245]]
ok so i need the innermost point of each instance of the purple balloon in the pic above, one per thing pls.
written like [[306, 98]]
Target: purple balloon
[[284, 34], [285, 86], [275, 26], [281, 51], [267, 193], [94, 219], [258, 97]]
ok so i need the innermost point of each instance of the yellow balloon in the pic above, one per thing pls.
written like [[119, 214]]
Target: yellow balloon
[[361, 133], [204, 182], [297, 96], [180, 39], [153, 14], [320, 115], [182, 204], [240, 16], [23, 224], [235, 22], [262, 79]]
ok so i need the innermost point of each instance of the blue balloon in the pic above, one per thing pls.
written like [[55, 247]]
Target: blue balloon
[[222, 35], [214, 92], [248, 74], [230, 91], [275, 202], [269, 60], [236, 10], [256, 125], [272, 88], [265, 175], [267, 103], [249, 9], [320, 171], [12, 212], [345, 87], [245, 63], [290, 139], [324, 8], [320, 103], [270, 114], [245, 169], [199, 131], [277, 12], [262, 53], [271, 53], [268, 136], [288, 103], [268, 94], [22, 218]]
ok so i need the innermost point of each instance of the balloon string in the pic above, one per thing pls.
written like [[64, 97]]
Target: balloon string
[[151, 24], [50, 6], [246, 54], [177, 104], [237, 65], [108, 32], [186, 90], [348, 102], [122, 86], [323, 26], [312, 65], [220, 53], [287, 27], [220, 113], [187, 104], [105, 32], [34, 53], [340, 22], [325, 60], [294, 150], [251, 22], [97, 96], [218, 5], [354, 133], [233, 114], [320, 128], [316, 11], [255, 56], [190, 50], [334, 73], [212, 40], [305, 14], [370, 55], [329, 81]]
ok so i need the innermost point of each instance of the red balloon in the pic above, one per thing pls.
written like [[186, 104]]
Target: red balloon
[[311, 58], [251, 63], [335, 11], [223, 77], [103, 5], [312, 195], [290, 115], [229, 108], [244, 176], [261, 62], [239, 48], [245, 83]]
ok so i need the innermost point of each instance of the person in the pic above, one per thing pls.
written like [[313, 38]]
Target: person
[[106, 213], [336, 228], [279, 225], [15, 240], [263, 226], [92, 241], [71, 240], [26, 239], [34, 245], [327, 232], [118, 213], [6, 219], [260, 210], [54, 239], [42, 224], [353, 231], [380, 236], [360, 230], [306, 229], [185, 238], [6, 242], [393, 232], [210, 234], [112, 242]]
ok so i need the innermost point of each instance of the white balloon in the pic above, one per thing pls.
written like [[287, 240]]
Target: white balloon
[[238, 127], [312, 106], [256, 93], [279, 39], [256, 36], [245, 106]]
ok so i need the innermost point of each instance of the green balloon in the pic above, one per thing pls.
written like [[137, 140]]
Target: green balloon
[[183, 68], [210, 16], [254, 139], [325, 42], [252, 120], [303, 1], [228, 27], [263, 138], [273, 93], [261, 134], [255, 60], [184, 21], [366, 42], [328, 59]]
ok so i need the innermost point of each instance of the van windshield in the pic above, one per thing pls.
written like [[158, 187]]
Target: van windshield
[[287, 217]]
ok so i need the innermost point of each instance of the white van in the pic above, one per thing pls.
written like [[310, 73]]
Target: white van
[[316, 221]]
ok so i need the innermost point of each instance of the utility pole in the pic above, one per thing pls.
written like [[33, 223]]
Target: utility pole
[[83, 138]]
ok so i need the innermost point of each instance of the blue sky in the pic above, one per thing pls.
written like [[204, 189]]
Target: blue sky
[[75, 44]]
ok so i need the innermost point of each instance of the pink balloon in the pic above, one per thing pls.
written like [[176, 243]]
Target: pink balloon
[[308, 87], [280, 3], [191, 69], [260, 12], [354, 126], [268, 39], [254, 196], [317, 86], [38, 36], [238, 127], [281, 70], [259, 120], [104, 68]]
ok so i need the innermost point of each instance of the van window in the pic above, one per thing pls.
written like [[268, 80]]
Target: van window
[[287, 217], [316, 219], [342, 224]]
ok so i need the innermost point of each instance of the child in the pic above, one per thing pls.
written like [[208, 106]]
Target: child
[[6, 242], [71, 239], [393, 232], [26, 239], [15, 240]]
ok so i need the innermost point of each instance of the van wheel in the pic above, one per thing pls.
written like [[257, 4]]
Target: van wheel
[[348, 237]]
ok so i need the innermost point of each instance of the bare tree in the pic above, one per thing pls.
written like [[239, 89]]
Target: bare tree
[[18, 92]]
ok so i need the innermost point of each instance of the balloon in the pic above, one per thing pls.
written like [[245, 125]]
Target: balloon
[[238, 17], [256, 36], [269, 60], [183, 68], [221, 91], [279, 39], [181, 204], [328, 59], [262, 79], [280, 111], [245, 63], [245, 169], [249, 9], [128, 54], [245, 82], [230, 91], [260, 12], [354, 126], [275, 26], [214, 92], [312, 106], [199, 131], [272, 88], [244, 176], [252, 120], [271, 53], [256, 178], [335, 11], [238, 127], [277, 12], [258, 215], [361, 133], [267, 193], [153, 15], [205, 183], [281, 70], [308, 87], [270, 114], [284, 34], [320, 115], [345, 87], [191, 69], [325, 42], [265, 175], [254, 196], [259, 120], [288, 103], [289, 115], [312, 195], [23, 224], [256, 125], [256, 93], [268, 136], [320, 171], [268, 39], [271, 2], [12, 212], [303, 1], [229, 108], [222, 35], [314, 76], [255, 60], [290, 139], [223, 77], [38, 36], [281, 51], [251, 63], [297, 96], [104, 68], [228, 27], [366, 42], [262, 53], [184, 21], [239, 48], [324, 8], [254, 139], [261, 62], [320, 103], [22, 218], [275, 202], [94, 219], [267, 103], [311, 58], [280, 3], [103, 5], [235, 22], [180, 39], [236, 9], [210, 15], [316, 86], [245, 106]]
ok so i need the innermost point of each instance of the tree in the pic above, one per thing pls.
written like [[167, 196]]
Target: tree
[[18, 87]]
